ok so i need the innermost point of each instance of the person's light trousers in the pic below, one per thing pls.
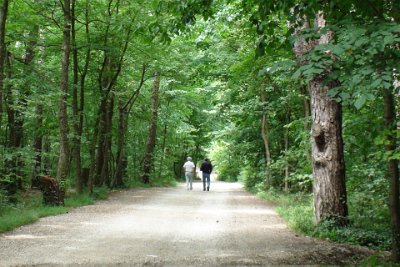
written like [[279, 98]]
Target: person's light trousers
[[189, 180]]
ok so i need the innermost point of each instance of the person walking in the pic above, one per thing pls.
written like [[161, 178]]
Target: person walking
[[190, 171], [206, 168]]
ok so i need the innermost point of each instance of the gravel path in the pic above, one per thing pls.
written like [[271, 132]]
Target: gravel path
[[170, 227]]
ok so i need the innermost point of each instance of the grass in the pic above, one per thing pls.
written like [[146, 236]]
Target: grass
[[363, 230], [295, 209], [30, 209], [370, 230]]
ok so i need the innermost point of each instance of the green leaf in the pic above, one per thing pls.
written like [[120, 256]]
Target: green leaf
[[338, 50], [296, 74], [389, 39], [344, 96], [376, 83], [359, 103]]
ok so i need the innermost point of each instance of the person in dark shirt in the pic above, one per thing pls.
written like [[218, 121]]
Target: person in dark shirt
[[206, 168]]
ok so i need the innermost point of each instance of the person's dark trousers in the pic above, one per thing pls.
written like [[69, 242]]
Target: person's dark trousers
[[206, 178]]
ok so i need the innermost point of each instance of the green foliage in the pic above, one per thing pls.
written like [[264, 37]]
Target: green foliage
[[296, 209], [15, 218], [367, 228], [27, 210], [29, 207], [226, 164], [83, 199], [100, 193]]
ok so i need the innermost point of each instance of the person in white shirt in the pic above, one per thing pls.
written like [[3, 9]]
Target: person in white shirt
[[190, 171]]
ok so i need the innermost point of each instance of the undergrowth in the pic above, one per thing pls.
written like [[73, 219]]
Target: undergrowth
[[369, 230], [29, 207]]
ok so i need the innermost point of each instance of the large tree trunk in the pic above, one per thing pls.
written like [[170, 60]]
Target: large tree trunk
[[151, 141], [3, 20], [330, 196], [393, 173], [63, 160]]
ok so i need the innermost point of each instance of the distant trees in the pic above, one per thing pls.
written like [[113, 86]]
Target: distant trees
[[87, 123]]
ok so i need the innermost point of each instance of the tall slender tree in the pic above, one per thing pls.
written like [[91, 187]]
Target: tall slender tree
[[3, 21], [151, 140], [63, 160]]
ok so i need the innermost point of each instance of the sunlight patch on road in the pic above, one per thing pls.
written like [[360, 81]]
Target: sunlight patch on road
[[274, 226], [20, 237], [238, 211]]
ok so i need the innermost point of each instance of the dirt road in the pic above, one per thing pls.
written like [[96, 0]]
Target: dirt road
[[170, 227]]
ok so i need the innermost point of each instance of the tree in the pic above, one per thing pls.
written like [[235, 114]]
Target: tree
[[63, 159], [3, 21], [124, 110], [151, 141], [330, 197]]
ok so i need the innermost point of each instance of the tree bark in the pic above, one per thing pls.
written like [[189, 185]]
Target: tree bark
[[393, 173], [38, 133], [75, 104], [38, 141], [63, 160], [121, 156], [306, 105], [110, 70], [123, 116], [78, 93], [83, 80], [265, 136], [151, 141], [163, 151], [330, 196], [3, 20], [286, 137]]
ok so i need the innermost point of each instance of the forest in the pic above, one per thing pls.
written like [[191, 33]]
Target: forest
[[298, 100]]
